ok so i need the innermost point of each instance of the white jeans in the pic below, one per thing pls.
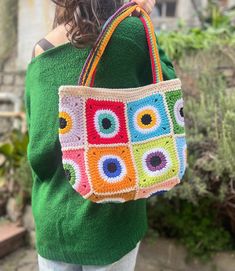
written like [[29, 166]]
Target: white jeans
[[126, 263]]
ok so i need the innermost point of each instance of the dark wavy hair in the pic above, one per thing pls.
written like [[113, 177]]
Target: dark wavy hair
[[84, 18]]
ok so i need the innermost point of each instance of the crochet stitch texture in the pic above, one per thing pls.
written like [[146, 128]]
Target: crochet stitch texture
[[68, 227], [125, 142], [123, 147]]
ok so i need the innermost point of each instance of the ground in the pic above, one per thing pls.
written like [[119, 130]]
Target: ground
[[25, 259], [154, 255]]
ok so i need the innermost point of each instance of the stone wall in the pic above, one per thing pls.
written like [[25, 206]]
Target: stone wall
[[11, 82], [8, 16], [11, 79], [34, 21], [186, 12]]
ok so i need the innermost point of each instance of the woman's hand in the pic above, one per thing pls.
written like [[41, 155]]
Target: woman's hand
[[147, 5]]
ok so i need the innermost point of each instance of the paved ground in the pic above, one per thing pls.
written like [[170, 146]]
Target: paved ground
[[157, 255], [25, 259]]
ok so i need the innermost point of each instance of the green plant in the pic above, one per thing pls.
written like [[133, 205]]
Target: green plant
[[190, 41], [198, 226], [217, 30], [218, 17], [209, 114], [13, 150], [200, 212], [23, 177], [15, 167]]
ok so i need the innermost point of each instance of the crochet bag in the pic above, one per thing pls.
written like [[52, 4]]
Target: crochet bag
[[122, 144]]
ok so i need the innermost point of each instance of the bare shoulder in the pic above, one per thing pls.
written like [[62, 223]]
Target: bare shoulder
[[54, 38]]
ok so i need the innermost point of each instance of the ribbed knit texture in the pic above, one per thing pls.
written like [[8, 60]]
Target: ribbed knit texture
[[68, 227]]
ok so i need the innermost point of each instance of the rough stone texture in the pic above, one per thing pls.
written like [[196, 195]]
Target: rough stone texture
[[165, 255], [32, 239], [19, 80], [28, 220], [11, 81], [8, 79], [12, 236], [184, 11], [10, 63], [159, 255], [7, 88], [225, 262], [12, 210], [8, 11], [22, 260], [6, 123]]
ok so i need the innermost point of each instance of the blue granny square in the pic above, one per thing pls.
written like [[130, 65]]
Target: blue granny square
[[147, 118], [182, 154]]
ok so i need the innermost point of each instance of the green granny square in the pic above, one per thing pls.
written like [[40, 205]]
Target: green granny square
[[156, 161], [176, 109]]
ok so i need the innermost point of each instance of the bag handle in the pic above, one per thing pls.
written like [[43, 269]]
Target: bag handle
[[99, 39], [89, 69], [96, 47]]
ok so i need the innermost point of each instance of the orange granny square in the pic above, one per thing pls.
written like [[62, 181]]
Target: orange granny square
[[111, 170]]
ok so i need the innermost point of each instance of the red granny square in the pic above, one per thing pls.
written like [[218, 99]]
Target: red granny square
[[106, 122]]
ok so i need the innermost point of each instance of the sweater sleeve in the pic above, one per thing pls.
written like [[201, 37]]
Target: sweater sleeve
[[168, 70], [167, 66]]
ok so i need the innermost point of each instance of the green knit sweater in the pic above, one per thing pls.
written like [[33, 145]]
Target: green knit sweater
[[68, 227]]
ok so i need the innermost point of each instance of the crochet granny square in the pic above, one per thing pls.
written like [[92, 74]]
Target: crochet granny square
[[125, 147]]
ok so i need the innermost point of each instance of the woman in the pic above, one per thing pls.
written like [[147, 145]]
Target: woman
[[73, 233]]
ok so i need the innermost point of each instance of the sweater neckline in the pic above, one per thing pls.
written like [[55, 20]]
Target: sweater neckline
[[56, 48]]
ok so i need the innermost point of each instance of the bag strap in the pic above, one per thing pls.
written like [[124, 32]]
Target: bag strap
[[96, 47], [89, 69]]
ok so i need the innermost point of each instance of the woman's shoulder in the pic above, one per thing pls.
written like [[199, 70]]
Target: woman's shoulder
[[131, 28], [54, 38]]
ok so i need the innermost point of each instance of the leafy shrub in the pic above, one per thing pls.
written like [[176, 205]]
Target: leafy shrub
[[198, 227], [177, 43], [218, 31], [200, 212], [15, 167]]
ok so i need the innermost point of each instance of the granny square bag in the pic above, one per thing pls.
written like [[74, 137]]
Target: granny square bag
[[122, 144]]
